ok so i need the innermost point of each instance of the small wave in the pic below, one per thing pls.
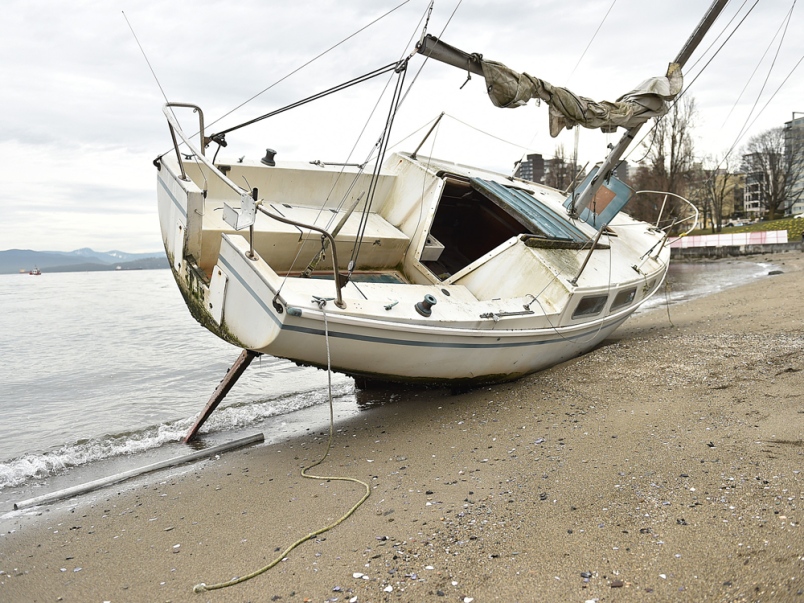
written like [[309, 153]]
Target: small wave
[[37, 466], [41, 465], [243, 415]]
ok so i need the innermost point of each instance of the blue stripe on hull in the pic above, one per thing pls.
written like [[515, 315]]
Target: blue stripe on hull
[[396, 341]]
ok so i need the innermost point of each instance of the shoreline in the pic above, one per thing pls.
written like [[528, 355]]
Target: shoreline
[[719, 274], [666, 464]]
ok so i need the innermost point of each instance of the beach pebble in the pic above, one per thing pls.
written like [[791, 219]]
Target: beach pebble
[[617, 584], [388, 589]]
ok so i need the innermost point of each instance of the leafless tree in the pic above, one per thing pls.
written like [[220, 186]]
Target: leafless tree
[[561, 170], [715, 190], [774, 169], [668, 162]]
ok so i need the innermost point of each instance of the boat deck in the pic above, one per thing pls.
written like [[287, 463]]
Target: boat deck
[[288, 248]]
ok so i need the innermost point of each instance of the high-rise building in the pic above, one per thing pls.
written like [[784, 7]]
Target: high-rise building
[[794, 155], [531, 168], [754, 192]]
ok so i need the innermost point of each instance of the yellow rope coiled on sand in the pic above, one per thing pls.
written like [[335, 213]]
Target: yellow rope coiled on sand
[[202, 587]]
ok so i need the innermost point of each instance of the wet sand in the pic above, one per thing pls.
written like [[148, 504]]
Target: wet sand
[[666, 465]]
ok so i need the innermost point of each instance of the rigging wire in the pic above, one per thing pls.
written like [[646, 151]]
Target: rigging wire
[[382, 144], [751, 77], [382, 147], [351, 186], [412, 134], [319, 95], [315, 58], [519, 146], [717, 37], [427, 57], [744, 128], [142, 50], [687, 87], [583, 54], [425, 17], [784, 81]]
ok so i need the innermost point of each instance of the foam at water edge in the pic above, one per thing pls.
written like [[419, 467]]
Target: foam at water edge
[[41, 465]]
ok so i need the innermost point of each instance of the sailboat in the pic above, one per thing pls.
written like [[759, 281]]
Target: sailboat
[[422, 270]]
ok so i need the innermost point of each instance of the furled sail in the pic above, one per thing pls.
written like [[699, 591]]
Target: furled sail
[[508, 88]]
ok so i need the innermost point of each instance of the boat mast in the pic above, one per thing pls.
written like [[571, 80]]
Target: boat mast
[[700, 32], [617, 151]]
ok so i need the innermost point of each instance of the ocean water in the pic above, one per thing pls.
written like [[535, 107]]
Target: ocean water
[[105, 371], [101, 366], [688, 280]]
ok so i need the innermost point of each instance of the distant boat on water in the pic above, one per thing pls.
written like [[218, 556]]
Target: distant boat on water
[[35, 271]]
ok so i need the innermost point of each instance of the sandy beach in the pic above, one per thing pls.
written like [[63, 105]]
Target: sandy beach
[[666, 465]]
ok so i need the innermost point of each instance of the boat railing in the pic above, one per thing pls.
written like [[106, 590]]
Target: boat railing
[[176, 130], [657, 248], [666, 229], [693, 216]]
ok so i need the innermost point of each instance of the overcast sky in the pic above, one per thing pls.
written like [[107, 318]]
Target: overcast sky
[[81, 115]]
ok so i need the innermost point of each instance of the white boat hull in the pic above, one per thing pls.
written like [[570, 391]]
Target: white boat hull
[[505, 312]]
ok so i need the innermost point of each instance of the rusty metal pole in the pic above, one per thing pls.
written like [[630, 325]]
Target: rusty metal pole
[[232, 375]]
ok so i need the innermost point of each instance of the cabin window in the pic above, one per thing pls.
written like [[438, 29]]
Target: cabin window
[[590, 305], [623, 298]]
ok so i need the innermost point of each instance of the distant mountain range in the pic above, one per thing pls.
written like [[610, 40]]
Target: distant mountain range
[[13, 261]]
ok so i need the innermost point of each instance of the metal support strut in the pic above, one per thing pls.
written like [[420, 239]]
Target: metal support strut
[[232, 375]]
